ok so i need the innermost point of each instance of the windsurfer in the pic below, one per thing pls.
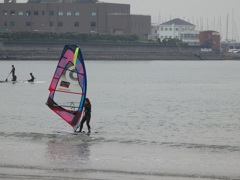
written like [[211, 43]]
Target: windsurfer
[[87, 115], [32, 78]]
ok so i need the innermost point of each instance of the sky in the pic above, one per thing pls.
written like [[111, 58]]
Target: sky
[[205, 14]]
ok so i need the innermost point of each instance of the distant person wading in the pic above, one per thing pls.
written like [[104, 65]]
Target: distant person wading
[[32, 78], [14, 77]]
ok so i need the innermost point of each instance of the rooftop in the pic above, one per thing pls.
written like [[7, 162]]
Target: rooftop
[[177, 21]]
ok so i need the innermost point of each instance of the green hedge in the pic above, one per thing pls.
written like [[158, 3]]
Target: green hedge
[[61, 37], [51, 37]]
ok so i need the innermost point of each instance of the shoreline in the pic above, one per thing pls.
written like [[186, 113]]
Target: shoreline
[[32, 172], [123, 52]]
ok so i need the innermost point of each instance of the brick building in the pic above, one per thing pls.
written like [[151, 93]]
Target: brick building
[[210, 37], [81, 16]]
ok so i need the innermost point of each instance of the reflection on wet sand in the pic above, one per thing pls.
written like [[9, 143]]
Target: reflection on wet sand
[[68, 152]]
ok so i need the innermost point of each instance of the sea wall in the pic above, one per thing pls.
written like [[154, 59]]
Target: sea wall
[[51, 51]]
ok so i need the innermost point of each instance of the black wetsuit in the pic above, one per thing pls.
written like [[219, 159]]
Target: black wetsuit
[[14, 78], [32, 78], [13, 73], [86, 117]]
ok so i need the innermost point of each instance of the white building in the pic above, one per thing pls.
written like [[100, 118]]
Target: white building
[[179, 29]]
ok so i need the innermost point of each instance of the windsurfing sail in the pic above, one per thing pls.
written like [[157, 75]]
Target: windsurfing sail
[[68, 87]]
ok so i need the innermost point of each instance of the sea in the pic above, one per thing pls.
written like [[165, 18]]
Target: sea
[[150, 120]]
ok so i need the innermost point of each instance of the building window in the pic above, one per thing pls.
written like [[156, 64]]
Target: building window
[[51, 24], [170, 29], [166, 29], [69, 13], [60, 13], [161, 28], [43, 13], [51, 13], [12, 13], [93, 24], [20, 13], [76, 13], [5, 23], [28, 13], [12, 23], [176, 29], [76, 24], [35, 13], [60, 24], [94, 13], [28, 23], [5, 13]]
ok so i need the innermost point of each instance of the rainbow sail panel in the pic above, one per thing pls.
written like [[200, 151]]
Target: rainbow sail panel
[[68, 87]]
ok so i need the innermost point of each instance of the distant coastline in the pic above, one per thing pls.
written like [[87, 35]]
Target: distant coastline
[[52, 51]]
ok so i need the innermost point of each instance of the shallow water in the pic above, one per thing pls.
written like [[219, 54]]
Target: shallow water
[[168, 119]]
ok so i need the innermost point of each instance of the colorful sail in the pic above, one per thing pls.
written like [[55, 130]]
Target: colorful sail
[[69, 86]]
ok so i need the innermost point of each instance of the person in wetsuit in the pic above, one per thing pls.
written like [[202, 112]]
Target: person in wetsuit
[[32, 78], [87, 115], [14, 77]]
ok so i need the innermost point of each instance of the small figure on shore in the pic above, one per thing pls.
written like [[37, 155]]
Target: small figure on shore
[[87, 115], [32, 78]]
